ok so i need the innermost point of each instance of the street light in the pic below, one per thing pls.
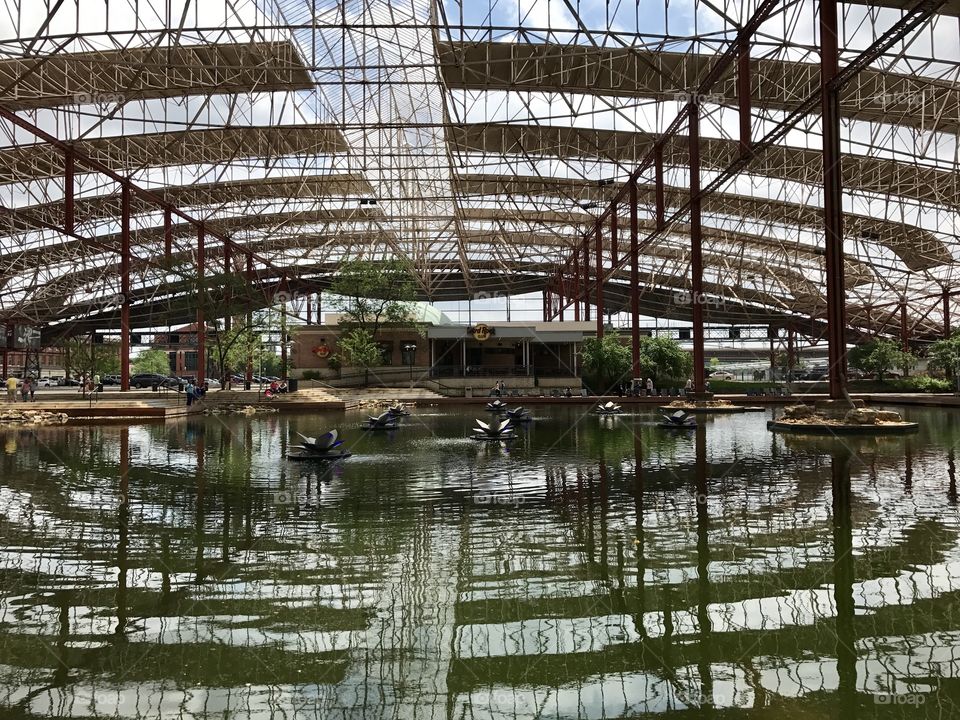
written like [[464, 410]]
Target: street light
[[410, 349]]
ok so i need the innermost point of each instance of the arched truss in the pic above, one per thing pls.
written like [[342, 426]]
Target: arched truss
[[474, 149]]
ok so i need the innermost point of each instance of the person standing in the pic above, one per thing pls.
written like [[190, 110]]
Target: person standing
[[650, 386], [689, 387], [25, 389], [189, 392], [12, 389], [33, 389]]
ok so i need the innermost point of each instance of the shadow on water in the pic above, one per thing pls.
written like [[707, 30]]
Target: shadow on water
[[590, 568]]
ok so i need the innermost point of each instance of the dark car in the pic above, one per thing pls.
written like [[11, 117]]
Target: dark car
[[111, 379], [147, 380]]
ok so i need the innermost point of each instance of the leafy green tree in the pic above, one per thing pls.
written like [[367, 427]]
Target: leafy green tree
[[80, 357], [360, 349], [371, 294], [606, 362], [665, 361], [879, 357], [152, 361], [945, 355]]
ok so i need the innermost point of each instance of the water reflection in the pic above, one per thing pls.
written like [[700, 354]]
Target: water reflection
[[587, 569]]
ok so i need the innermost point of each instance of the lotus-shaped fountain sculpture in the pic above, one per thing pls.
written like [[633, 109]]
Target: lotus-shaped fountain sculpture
[[323, 447], [679, 420], [383, 421], [496, 405], [609, 408], [519, 414], [398, 410], [496, 430]]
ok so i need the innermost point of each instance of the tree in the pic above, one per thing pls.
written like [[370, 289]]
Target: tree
[[80, 356], [153, 361], [373, 294], [606, 362], [945, 355], [360, 349], [879, 357], [664, 360]]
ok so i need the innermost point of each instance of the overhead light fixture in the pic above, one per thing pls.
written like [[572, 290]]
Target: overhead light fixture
[[368, 201], [589, 205], [603, 182]]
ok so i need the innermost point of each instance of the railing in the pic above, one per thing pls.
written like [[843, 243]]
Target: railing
[[458, 371]]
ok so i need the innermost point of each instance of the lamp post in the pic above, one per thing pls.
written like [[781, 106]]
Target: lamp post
[[410, 349]]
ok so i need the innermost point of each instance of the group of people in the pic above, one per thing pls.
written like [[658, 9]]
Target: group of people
[[195, 393], [26, 389], [276, 388]]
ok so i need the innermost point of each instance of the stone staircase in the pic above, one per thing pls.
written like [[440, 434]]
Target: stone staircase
[[306, 396]]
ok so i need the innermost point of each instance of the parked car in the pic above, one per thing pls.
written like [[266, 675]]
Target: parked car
[[148, 380], [722, 375], [70, 382], [46, 382], [111, 380]]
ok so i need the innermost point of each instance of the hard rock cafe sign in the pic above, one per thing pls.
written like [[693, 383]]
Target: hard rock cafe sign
[[321, 351], [481, 332]]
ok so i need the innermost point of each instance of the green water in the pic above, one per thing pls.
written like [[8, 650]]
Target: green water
[[595, 567]]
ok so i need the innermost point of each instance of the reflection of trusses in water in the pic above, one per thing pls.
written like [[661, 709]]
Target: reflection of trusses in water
[[560, 602], [475, 146]]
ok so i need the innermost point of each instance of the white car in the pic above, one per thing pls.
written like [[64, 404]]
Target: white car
[[46, 382], [722, 375]]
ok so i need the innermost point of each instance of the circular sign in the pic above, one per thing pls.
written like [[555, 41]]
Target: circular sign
[[321, 351], [481, 332]]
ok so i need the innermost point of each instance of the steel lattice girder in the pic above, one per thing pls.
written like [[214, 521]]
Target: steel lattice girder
[[875, 96], [142, 73]]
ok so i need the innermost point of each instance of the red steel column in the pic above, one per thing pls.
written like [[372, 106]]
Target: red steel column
[[576, 286], [696, 251], [904, 327], [249, 372], [743, 94], [167, 233], [832, 201], [634, 282], [660, 204], [598, 232], [68, 192], [201, 297], [228, 294], [946, 313], [586, 279], [125, 287], [614, 239]]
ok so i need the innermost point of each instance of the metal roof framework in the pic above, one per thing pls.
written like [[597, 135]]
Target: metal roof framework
[[271, 140]]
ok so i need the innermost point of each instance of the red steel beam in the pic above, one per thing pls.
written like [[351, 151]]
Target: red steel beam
[[69, 191], [661, 209], [586, 277], [576, 287], [696, 251], [201, 298], [634, 282], [832, 200], [598, 232], [614, 239], [125, 287], [743, 93], [249, 278], [167, 233], [904, 327], [946, 313], [228, 293]]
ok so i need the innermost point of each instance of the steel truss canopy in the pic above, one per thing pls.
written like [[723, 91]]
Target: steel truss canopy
[[163, 151]]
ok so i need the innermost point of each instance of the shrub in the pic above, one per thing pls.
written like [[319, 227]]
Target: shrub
[[311, 374]]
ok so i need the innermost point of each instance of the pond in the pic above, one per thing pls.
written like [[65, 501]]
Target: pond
[[594, 567]]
